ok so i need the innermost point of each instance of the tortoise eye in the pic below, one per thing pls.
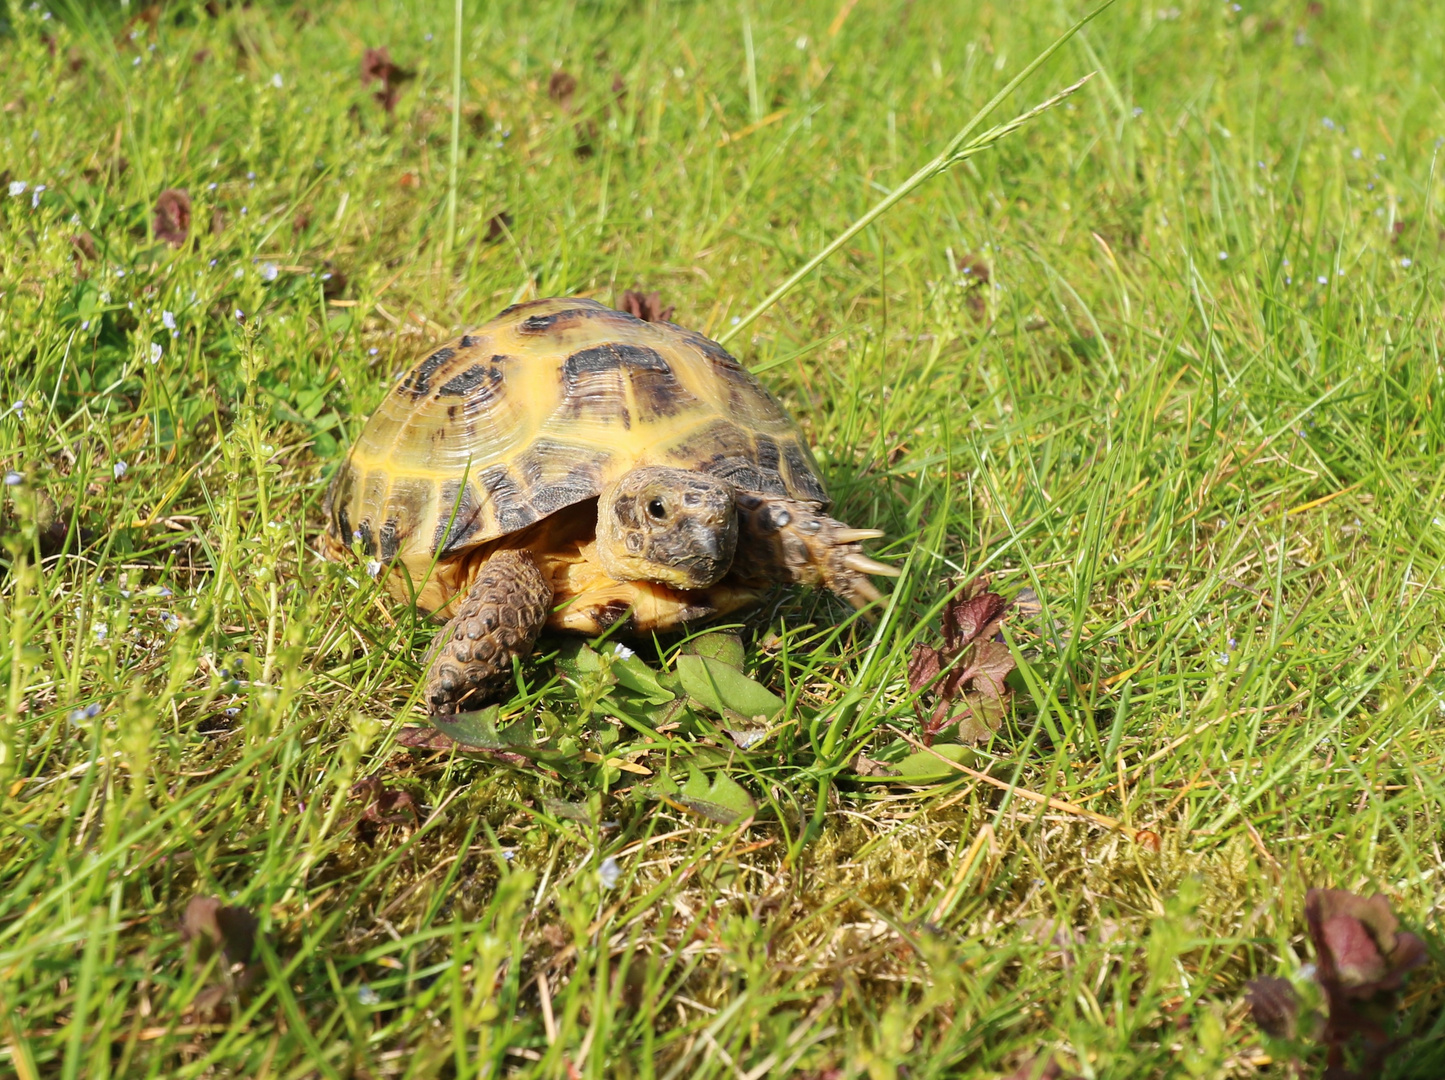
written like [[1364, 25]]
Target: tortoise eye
[[657, 509]]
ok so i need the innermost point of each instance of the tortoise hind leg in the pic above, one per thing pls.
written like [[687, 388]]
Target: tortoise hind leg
[[470, 662]]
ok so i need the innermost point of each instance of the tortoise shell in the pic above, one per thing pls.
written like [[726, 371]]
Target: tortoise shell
[[541, 409]]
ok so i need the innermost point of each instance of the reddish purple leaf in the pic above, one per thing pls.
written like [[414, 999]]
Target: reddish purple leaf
[[1360, 949], [1274, 1005], [376, 66], [645, 306], [923, 667], [968, 675], [173, 217], [560, 88], [965, 620], [233, 929]]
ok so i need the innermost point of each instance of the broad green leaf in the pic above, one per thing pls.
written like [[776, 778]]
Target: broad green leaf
[[568, 811], [725, 690], [724, 800], [479, 731], [640, 679], [922, 767], [726, 648]]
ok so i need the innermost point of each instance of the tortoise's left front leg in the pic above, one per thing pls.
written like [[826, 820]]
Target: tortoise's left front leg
[[470, 662], [795, 541]]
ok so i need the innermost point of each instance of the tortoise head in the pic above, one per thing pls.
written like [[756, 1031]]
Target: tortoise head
[[671, 526]]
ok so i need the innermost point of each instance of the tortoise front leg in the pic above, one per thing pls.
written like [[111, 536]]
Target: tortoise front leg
[[796, 542], [470, 662]]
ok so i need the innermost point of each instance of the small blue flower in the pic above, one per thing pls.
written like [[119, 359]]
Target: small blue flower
[[1330, 124], [365, 994], [17, 187], [269, 271], [14, 479], [168, 320], [1323, 280], [609, 873], [170, 622], [1406, 263], [156, 352], [118, 470]]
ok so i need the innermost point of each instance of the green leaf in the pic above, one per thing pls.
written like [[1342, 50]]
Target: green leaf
[[718, 645], [479, 731], [923, 766], [725, 690], [568, 811], [636, 676], [724, 800], [576, 658]]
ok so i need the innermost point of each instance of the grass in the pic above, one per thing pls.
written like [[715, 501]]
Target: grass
[[1195, 403]]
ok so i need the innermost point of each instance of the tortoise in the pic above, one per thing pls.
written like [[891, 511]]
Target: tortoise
[[572, 467]]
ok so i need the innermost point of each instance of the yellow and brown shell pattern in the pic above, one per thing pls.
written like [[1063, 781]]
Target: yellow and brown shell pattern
[[542, 408]]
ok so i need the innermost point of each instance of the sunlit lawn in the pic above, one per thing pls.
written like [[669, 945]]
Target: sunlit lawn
[[1169, 358]]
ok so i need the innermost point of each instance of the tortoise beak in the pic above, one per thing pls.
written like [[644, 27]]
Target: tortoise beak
[[710, 553]]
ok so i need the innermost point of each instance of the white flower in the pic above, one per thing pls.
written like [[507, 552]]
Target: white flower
[[35, 196], [364, 994], [1405, 263], [13, 479], [609, 872], [156, 352], [623, 652], [119, 469], [170, 622], [168, 320], [269, 271], [373, 567], [276, 81], [17, 187]]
